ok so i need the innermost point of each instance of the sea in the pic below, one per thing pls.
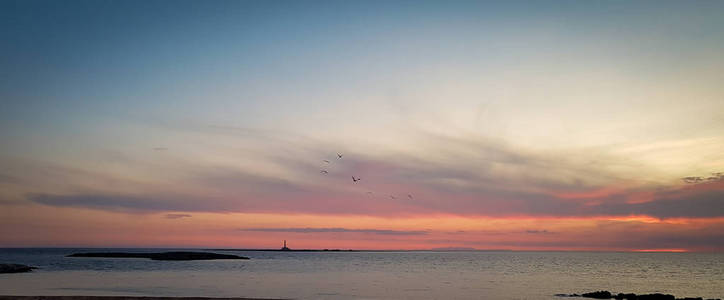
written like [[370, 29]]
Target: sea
[[367, 275]]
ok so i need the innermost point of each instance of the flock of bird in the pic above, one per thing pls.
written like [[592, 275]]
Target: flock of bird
[[355, 179]]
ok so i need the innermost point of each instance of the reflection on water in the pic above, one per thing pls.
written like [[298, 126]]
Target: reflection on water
[[369, 275]]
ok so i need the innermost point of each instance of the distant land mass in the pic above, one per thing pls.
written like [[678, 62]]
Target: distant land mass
[[458, 249], [177, 255]]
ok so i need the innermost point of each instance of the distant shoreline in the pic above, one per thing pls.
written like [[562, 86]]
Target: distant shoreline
[[173, 255], [353, 250]]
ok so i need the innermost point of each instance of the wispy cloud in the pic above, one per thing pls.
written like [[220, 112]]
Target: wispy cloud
[[177, 216], [532, 231], [453, 175], [8, 179], [699, 179], [471, 184], [126, 203], [339, 230]]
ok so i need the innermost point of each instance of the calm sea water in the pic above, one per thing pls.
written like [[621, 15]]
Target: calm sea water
[[368, 275]]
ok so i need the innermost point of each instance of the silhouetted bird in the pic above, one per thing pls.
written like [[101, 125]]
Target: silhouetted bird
[[326, 161], [409, 196], [339, 156], [356, 179], [323, 171], [392, 197]]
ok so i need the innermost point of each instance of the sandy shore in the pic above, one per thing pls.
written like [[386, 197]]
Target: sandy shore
[[119, 298]]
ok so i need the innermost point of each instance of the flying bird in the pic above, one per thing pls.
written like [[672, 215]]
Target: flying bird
[[339, 156], [409, 196], [356, 179], [392, 197], [324, 171], [326, 161]]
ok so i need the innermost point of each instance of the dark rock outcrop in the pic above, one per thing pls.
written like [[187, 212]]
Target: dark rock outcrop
[[15, 268], [629, 296], [598, 295], [656, 296], [179, 255]]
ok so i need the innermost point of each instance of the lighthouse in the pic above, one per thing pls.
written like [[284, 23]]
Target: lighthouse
[[285, 246]]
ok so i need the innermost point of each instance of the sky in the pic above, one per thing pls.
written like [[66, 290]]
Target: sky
[[521, 125]]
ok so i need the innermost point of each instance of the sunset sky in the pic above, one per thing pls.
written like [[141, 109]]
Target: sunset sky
[[546, 125]]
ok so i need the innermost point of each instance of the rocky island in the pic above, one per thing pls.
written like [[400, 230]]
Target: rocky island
[[15, 268], [176, 255]]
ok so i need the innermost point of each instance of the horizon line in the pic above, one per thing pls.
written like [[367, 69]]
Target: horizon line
[[375, 250]]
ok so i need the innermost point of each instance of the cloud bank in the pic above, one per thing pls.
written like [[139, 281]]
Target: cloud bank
[[454, 176]]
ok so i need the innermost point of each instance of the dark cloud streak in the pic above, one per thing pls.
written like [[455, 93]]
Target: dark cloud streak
[[338, 230], [177, 216]]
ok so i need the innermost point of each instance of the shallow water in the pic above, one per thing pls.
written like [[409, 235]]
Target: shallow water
[[369, 275]]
